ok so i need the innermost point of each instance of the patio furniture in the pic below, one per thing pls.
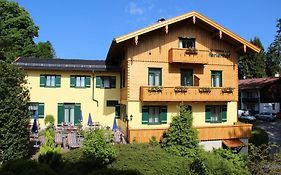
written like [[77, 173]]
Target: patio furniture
[[72, 140], [58, 138]]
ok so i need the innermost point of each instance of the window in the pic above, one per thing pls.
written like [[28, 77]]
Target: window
[[123, 79], [69, 113], [105, 82], [50, 80], [186, 77], [185, 42], [36, 109], [215, 113], [216, 78], [155, 77], [111, 103], [80, 81], [154, 114]]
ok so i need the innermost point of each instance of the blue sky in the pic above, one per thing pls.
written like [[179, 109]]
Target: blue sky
[[85, 29]]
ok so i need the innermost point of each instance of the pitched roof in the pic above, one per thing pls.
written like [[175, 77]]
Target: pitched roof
[[192, 14], [256, 83], [63, 64]]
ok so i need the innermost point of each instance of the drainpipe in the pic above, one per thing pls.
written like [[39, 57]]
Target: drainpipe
[[93, 94]]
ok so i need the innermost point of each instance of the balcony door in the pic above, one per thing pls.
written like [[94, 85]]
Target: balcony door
[[186, 77]]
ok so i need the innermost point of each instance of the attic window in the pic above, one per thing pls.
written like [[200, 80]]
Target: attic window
[[185, 42]]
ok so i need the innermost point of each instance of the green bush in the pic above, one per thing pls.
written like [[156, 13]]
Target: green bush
[[259, 137], [49, 121], [96, 148], [25, 167], [153, 141], [181, 138], [52, 159]]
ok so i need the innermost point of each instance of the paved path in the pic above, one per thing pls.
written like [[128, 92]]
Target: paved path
[[272, 128]]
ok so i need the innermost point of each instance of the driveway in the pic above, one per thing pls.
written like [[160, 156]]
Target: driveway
[[272, 128]]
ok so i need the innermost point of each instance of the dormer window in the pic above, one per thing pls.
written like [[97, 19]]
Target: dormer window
[[185, 42]]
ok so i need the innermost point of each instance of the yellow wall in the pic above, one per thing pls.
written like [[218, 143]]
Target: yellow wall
[[64, 94], [198, 112]]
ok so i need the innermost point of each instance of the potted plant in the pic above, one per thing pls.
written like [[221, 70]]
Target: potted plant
[[191, 51], [227, 90], [180, 89], [205, 89], [155, 89]]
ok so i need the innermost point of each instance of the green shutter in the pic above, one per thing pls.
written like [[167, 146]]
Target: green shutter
[[117, 111], [160, 83], [164, 114], [208, 114], [98, 82], [224, 113], [40, 110], [144, 115], [58, 77], [77, 113], [72, 81], [113, 82], [88, 81], [42, 80], [60, 113]]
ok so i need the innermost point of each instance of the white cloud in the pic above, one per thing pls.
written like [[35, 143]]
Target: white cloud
[[134, 9]]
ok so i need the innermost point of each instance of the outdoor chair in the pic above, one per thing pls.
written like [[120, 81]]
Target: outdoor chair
[[72, 140], [58, 138]]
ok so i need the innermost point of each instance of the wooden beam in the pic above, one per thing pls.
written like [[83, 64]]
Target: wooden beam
[[136, 39], [244, 48], [216, 34], [167, 29], [194, 19], [220, 33]]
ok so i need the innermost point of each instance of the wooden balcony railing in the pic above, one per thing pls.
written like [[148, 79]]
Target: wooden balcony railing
[[238, 130], [182, 55], [191, 93]]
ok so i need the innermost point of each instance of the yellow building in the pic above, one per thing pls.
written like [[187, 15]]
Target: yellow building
[[188, 59]]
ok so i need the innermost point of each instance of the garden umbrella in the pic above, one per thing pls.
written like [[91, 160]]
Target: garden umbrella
[[114, 127], [34, 128], [90, 122]]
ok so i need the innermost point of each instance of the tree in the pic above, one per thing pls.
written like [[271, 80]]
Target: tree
[[273, 56], [181, 138], [45, 50], [17, 31], [252, 65], [14, 113]]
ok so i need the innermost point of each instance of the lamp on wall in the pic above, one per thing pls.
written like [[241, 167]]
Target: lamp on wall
[[131, 117]]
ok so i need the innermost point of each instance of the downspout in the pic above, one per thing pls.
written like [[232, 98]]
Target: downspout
[[93, 94]]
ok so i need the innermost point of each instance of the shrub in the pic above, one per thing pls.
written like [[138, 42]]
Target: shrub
[[181, 138], [49, 121], [259, 137], [153, 141], [95, 147], [25, 167]]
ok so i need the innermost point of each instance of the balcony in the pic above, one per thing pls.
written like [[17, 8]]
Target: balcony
[[183, 55], [192, 93], [238, 130]]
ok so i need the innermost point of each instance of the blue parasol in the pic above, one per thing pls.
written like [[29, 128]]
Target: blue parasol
[[114, 127], [90, 122], [34, 128]]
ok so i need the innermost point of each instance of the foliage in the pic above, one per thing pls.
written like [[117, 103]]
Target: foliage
[[208, 163], [273, 56], [52, 159], [252, 65], [25, 167], [153, 141], [17, 31], [49, 121], [95, 147], [259, 137], [181, 138], [14, 113]]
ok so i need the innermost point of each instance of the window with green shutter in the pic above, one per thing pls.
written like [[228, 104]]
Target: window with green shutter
[[216, 78], [69, 113], [145, 115], [215, 113], [154, 114], [77, 113], [106, 82], [79, 81], [36, 109], [40, 110], [60, 114], [164, 114], [50, 80]]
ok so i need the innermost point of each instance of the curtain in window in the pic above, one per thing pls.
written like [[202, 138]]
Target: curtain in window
[[106, 82], [53, 81], [71, 116], [157, 79], [151, 81], [66, 115]]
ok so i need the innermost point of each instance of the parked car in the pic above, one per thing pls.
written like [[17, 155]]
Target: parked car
[[268, 116], [243, 112], [247, 118]]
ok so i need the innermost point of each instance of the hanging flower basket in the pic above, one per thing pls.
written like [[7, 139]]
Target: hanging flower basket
[[227, 90], [155, 89], [180, 89], [191, 51], [205, 89]]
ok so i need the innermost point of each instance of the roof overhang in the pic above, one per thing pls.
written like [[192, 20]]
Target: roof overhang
[[245, 45]]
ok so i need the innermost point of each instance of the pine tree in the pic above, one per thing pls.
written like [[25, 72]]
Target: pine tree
[[252, 65], [14, 113], [273, 56]]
